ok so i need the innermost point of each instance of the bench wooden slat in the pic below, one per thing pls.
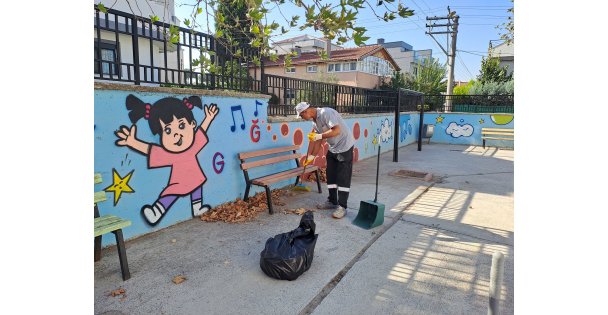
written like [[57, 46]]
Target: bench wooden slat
[[497, 138], [252, 154], [272, 160], [267, 180], [99, 196], [109, 223], [103, 220], [98, 178], [497, 133]]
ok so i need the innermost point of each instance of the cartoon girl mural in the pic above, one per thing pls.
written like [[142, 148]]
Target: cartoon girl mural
[[180, 142]]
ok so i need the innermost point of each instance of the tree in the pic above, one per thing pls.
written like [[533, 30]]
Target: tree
[[508, 28], [336, 20], [395, 82], [491, 71], [235, 14], [430, 77]]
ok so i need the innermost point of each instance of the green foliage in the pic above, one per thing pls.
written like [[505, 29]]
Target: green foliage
[[508, 28], [395, 82], [102, 8], [240, 23], [492, 88], [231, 18], [463, 89], [491, 71], [274, 99], [430, 77]]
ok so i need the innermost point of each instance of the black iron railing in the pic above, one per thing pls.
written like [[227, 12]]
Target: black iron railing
[[470, 103], [287, 92], [131, 48]]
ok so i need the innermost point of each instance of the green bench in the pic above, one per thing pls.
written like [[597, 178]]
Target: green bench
[[106, 224], [497, 134]]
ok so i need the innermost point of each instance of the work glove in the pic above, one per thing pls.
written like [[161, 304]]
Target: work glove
[[308, 160], [314, 136]]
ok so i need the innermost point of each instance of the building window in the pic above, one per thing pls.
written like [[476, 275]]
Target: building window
[[311, 69], [290, 93], [109, 57], [342, 67], [376, 66], [290, 70]]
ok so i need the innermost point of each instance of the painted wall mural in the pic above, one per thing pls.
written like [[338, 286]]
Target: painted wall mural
[[180, 142], [119, 185], [459, 130], [201, 136], [465, 128], [385, 130]]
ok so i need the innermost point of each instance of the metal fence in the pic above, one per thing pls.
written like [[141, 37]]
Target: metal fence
[[470, 103], [131, 48], [287, 92]]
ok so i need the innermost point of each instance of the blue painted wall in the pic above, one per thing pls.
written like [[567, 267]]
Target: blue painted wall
[[464, 128], [218, 159]]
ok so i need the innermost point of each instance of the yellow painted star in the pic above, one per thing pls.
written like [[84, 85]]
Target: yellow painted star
[[481, 121], [375, 140], [439, 119], [119, 185]]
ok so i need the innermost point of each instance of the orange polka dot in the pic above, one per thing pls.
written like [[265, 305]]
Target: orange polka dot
[[268, 127], [365, 132], [356, 131], [298, 136], [274, 137], [285, 130]]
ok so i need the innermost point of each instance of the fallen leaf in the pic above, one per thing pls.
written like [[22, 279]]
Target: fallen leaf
[[179, 279], [118, 292], [173, 240]]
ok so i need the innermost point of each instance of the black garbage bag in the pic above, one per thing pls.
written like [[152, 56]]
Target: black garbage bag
[[288, 255]]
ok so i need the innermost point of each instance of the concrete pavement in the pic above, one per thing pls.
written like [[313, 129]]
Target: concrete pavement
[[432, 255]]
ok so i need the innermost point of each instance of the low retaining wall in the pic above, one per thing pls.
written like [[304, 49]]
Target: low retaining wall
[[465, 128], [241, 125]]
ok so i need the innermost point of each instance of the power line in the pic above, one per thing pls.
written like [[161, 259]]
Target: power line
[[464, 65]]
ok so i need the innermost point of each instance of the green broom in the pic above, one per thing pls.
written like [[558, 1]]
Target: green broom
[[300, 186]]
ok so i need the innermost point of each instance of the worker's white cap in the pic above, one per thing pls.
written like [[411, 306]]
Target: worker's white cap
[[302, 106]]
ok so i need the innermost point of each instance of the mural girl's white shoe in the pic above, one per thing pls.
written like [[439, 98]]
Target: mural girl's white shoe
[[152, 214], [198, 208]]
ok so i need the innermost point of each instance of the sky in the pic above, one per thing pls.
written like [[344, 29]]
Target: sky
[[477, 27]]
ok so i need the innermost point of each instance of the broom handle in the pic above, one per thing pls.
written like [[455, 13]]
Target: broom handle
[[377, 172]]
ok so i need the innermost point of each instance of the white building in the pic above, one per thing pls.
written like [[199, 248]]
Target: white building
[[305, 43], [116, 43], [505, 52], [405, 56]]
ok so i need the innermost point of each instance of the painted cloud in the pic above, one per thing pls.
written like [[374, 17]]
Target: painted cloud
[[385, 130], [455, 130]]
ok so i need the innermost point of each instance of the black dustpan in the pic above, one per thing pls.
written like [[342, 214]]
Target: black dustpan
[[371, 213]]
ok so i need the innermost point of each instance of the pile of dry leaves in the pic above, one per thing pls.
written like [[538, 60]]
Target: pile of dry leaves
[[311, 177], [243, 211]]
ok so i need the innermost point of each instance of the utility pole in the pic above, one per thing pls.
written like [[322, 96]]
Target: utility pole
[[451, 28]]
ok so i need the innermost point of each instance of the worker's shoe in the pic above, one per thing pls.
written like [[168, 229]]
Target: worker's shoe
[[327, 205], [198, 208], [154, 213], [339, 213]]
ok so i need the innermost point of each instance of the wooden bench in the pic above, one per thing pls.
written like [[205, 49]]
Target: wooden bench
[[496, 134], [106, 224], [284, 154]]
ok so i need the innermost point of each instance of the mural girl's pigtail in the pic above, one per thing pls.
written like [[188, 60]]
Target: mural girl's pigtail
[[193, 101], [137, 108]]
